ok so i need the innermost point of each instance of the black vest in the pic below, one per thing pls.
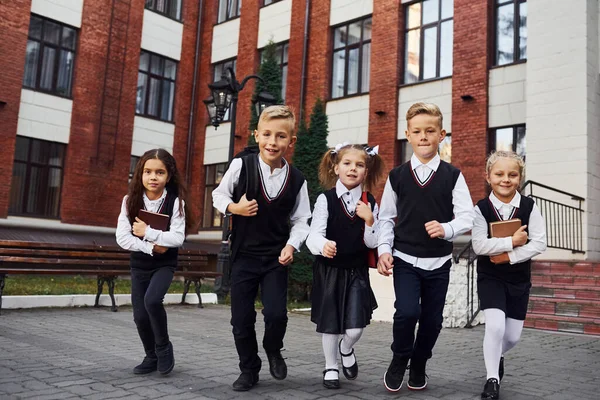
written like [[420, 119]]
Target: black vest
[[347, 232], [418, 204], [142, 260], [266, 233], [513, 273]]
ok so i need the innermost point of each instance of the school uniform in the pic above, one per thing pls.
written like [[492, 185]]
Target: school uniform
[[342, 298], [256, 243]]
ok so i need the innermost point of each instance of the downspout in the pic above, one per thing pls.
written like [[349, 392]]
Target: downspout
[[304, 58], [190, 141]]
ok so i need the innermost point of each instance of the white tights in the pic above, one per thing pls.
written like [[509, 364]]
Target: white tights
[[501, 335], [330, 349]]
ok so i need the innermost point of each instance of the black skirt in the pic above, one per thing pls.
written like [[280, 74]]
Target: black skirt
[[342, 298], [510, 297]]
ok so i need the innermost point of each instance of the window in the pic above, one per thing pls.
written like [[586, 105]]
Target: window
[[169, 8], [508, 138], [229, 9], [212, 217], [50, 57], [220, 70], [351, 58], [156, 86], [429, 39], [282, 58], [444, 149], [267, 2], [132, 163], [37, 178], [511, 31]]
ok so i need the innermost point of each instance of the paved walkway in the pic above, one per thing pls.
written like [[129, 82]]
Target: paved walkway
[[89, 353]]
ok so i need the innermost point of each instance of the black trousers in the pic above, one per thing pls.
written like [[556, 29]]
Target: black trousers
[[247, 274], [148, 289], [420, 296]]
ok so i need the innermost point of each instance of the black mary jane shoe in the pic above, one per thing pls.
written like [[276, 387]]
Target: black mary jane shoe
[[491, 390], [331, 383], [351, 372]]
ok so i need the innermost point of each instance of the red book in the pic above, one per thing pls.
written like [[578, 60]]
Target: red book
[[154, 220]]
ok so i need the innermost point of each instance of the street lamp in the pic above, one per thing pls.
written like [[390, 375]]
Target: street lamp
[[224, 96]]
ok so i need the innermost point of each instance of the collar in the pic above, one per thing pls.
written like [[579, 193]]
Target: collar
[[341, 190], [515, 202], [266, 168], [162, 197], [434, 163]]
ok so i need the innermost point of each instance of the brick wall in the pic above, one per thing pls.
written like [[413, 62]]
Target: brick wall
[[318, 68]]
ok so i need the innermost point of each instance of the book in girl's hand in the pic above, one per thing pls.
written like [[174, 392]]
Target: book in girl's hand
[[154, 220], [502, 229]]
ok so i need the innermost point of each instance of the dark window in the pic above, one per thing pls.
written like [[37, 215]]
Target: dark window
[[428, 41], [282, 58], [50, 57], [132, 163], [444, 149], [229, 9], [511, 31], [212, 217], [508, 138], [267, 2], [169, 8], [220, 70], [351, 58], [156, 86], [37, 178]]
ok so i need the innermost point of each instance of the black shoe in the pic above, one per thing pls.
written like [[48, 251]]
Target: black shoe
[[245, 381], [147, 366], [166, 360], [277, 365], [491, 390], [394, 376], [501, 368], [417, 378], [351, 372], [331, 383]]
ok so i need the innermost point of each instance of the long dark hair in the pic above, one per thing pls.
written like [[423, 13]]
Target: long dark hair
[[175, 185]]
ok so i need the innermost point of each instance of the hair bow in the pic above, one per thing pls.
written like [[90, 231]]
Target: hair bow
[[372, 151], [339, 146]]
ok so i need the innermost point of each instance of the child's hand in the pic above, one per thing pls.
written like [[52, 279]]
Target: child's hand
[[287, 255], [363, 210], [435, 230], [159, 249], [500, 258], [244, 207], [329, 249], [385, 265], [139, 228], [520, 237]]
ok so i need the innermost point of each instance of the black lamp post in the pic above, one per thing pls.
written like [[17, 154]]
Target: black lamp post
[[224, 96]]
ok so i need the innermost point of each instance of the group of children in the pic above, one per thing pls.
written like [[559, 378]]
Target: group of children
[[424, 207]]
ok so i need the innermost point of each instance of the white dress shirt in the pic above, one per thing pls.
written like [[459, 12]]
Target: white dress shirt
[[174, 237], [462, 209], [272, 183], [485, 246], [318, 225]]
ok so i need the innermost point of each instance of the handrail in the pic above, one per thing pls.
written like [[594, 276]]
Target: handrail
[[471, 257], [573, 196]]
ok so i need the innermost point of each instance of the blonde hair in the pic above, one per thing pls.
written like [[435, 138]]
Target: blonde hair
[[328, 178], [278, 112], [424, 108], [511, 155]]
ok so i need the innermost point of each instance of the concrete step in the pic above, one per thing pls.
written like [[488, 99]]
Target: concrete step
[[565, 268], [589, 326], [564, 307], [578, 280], [562, 291]]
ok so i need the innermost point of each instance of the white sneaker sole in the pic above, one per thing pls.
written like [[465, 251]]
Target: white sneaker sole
[[390, 389], [417, 388]]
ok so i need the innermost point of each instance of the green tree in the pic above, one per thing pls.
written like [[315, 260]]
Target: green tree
[[270, 72]]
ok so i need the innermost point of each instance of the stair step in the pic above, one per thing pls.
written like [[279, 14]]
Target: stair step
[[589, 326], [566, 291], [565, 268], [564, 307], [565, 280]]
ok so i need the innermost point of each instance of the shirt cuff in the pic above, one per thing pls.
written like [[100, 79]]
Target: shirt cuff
[[448, 231], [294, 244], [151, 234], [384, 248], [224, 211], [147, 248], [508, 244]]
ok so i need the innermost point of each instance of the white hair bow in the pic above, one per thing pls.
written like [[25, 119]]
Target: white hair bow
[[372, 150], [339, 146]]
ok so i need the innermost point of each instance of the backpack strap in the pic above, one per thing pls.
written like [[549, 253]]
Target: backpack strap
[[252, 175]]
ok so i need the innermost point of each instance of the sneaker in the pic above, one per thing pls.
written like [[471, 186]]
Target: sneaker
[[417, 378], [147, 366], [501, 368], [394, 376], [277, 366], [166, 360], [491, 390], [245, 381]]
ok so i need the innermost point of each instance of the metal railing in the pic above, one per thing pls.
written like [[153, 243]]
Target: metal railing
[[564, 222], [468, 254]]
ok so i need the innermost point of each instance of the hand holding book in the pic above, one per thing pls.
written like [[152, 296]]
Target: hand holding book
[[511, 228]]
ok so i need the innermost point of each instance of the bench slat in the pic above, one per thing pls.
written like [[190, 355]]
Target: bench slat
[[33, 271], [63, 253]]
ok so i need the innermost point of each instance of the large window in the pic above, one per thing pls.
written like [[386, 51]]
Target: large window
[[229, 9], [50, 57], [508, 138], [156, 86], [212, 217], [444, 149], [511, 31], [220, 69], [37, 178], [428, 41], [282, 59], [351, 58], [169, 8]]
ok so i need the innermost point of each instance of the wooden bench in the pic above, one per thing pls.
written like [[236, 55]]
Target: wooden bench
[[107, 262]]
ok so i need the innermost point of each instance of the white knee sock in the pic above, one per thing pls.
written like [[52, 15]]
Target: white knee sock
[[495, 322], [349, 339], [512, 334], [330, 350]]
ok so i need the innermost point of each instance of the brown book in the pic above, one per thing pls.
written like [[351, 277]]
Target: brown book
[[154, 220], [502, 229]]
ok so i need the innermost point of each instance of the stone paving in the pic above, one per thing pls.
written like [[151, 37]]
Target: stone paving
[[89, 353]]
